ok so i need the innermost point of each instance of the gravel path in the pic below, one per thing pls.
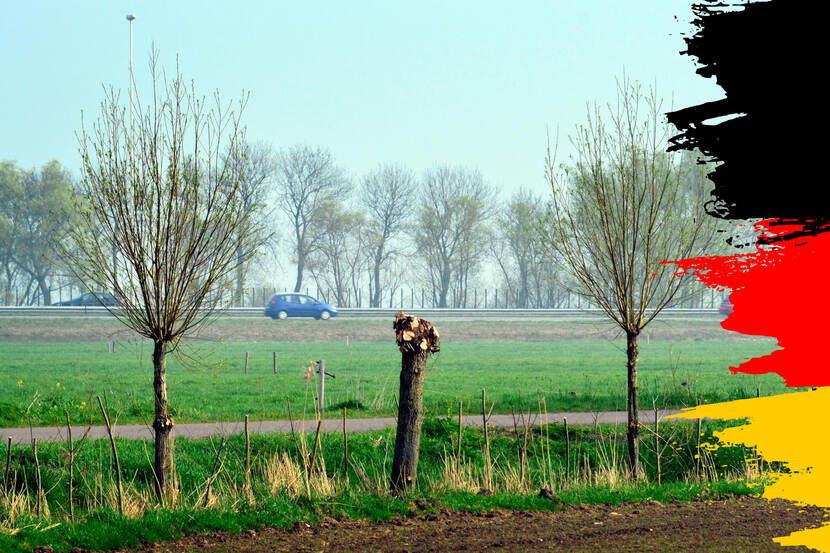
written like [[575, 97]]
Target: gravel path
[[207, 429]]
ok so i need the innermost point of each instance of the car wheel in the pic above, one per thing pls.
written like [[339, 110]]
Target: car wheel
[[282, 315], [325, 315]]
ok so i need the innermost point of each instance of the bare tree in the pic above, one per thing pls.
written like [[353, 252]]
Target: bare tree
[[522, 259], [388, 194], [617, 214], [336, 263], [35, 213], [305, 177], [451, 231], [254, 166], [173, 207]]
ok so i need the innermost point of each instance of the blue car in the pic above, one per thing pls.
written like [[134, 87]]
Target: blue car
[[282, 306]]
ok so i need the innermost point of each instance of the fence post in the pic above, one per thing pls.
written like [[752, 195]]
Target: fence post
[[8, 467], [247, 355], [247, 458], [321, 386], [275, 362], [37, 475]]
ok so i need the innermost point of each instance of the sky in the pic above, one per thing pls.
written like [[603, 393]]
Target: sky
[[476, 84]]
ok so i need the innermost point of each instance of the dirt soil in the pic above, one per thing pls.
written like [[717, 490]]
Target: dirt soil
[[735, 525]]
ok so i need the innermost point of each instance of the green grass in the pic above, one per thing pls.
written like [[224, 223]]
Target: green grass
[[40, 380], [593, 451]]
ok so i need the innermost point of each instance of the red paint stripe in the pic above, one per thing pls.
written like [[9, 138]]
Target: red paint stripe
[[779, 290]]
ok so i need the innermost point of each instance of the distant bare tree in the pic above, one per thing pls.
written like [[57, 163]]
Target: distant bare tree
[[254, 166], [617, 214], [451, 233], [36, 211], [517, 248], [388, 194], [305, 177], [172, 204], [336, 263]]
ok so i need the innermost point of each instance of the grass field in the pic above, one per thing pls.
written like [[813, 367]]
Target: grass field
[[48, 367], [578, 366]]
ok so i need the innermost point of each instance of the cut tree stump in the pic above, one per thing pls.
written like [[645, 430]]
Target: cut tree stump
[[416, 339]]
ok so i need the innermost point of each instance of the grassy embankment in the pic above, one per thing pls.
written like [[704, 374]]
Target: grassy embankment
[[281, 494]]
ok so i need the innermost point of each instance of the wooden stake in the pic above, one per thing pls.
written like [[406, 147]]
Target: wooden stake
[[247, 458], [247, 356], [657, 443], [115, 457], [316, 445], [8, 467], [291, 421], [526, 425], [567, 449], [321, 386], [345, 449], [547, 441], [37, 476], [275, 362], [214, 472], [458, 443], [699, 460], [71, 468], [487, 465]]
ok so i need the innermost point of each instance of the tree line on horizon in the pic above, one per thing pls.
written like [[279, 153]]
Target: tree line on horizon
[[441, 231]]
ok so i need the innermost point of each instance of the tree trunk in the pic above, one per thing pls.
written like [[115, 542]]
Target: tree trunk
[[443, 292], [376, 297], [416, 339], [162, 425], [410, 419], [633, 430], [45, 291], [300, 266]]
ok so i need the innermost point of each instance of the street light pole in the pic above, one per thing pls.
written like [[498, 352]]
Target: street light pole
[[131, 18]]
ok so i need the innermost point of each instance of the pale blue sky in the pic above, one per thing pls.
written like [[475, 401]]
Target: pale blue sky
[[462, 82]]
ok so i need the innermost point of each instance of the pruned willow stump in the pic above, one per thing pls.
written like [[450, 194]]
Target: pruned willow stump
[[416, 339]]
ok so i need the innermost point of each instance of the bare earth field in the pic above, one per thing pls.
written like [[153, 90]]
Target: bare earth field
[[736, 525], [455, 329]]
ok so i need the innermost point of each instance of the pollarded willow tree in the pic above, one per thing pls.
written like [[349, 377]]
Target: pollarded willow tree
[[163, 191], [624, 207]]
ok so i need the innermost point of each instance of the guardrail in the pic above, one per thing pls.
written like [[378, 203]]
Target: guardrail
[[35, 311]]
